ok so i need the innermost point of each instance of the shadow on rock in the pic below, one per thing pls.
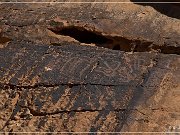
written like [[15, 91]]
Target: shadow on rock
[[169, 9]]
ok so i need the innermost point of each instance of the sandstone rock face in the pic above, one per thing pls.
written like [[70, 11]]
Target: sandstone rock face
[[91, 67]]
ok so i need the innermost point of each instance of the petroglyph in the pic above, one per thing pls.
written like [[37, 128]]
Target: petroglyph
[[89, 67]]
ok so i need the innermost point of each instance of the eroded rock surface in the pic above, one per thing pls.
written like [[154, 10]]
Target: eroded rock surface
[[88, 68]]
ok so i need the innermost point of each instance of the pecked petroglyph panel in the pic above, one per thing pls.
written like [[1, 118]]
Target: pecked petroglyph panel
[[91, 88], [81, 97], [27, 64]]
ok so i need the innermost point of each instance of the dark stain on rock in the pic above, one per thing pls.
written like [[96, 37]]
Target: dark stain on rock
[[38, 103], [4, 40], [57, 93], [42, 121]]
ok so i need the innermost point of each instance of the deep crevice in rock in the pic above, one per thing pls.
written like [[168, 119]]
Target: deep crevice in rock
[[114, 42], [38, 113], [14, 87], [83, 35]]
